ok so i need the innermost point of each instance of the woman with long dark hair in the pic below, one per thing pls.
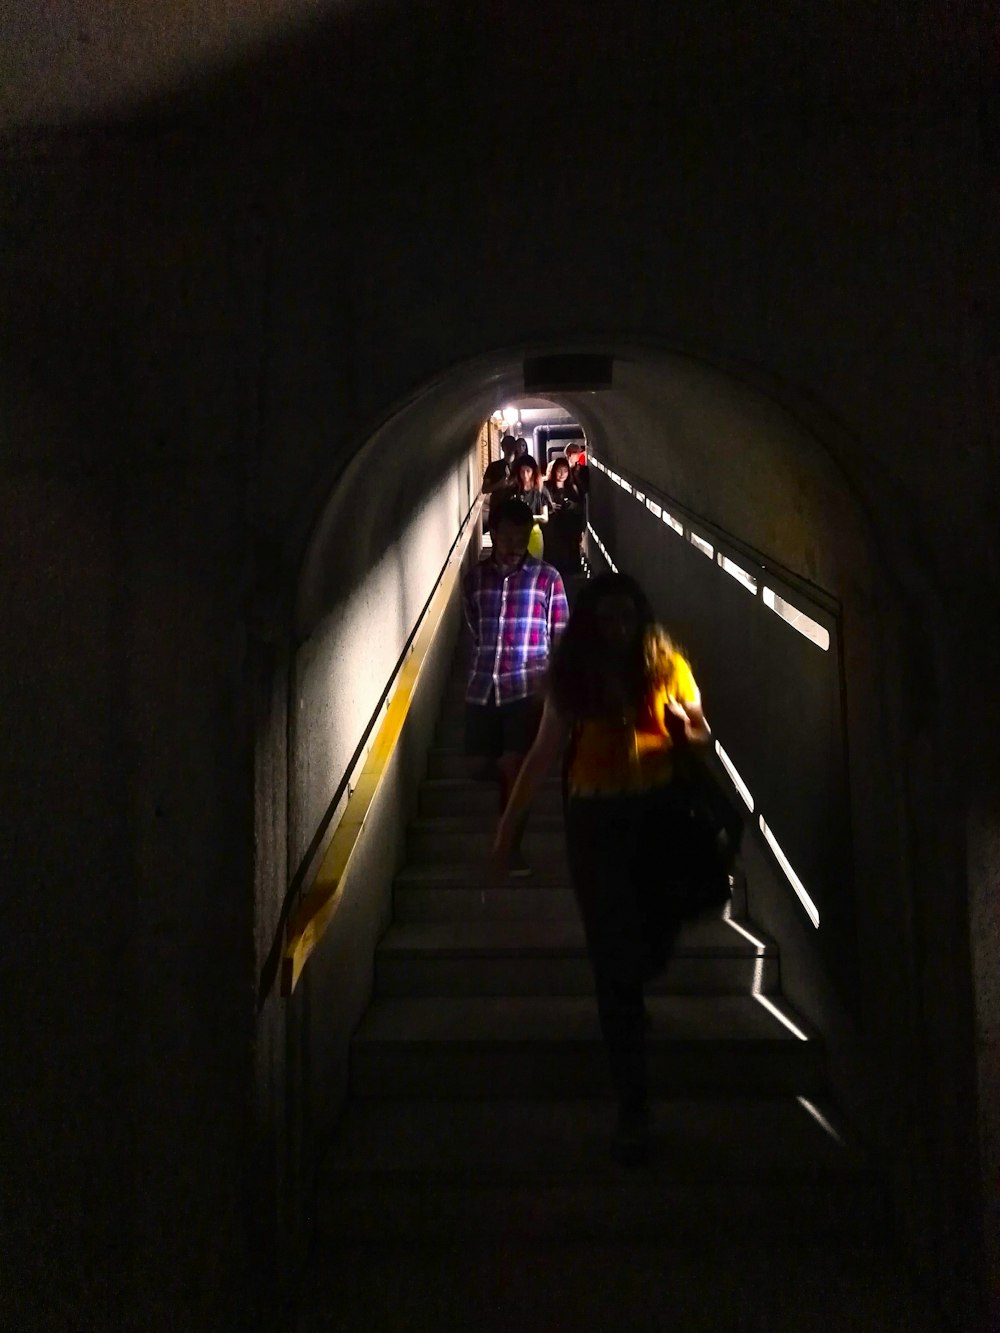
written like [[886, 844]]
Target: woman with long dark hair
[[527, 486], [621, 707], [564, 531], [560, 488]]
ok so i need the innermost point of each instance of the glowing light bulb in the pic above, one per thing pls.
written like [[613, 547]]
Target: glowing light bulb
[[510, 415]]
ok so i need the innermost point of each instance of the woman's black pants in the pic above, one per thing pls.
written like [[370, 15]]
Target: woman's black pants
[[629, 928]]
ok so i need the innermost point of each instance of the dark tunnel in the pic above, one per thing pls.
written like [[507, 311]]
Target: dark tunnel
[[277, 1053]]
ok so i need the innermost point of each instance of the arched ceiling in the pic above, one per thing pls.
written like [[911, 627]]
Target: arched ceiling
[[702, 436]]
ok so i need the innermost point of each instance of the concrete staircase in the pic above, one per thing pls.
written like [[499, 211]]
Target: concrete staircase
[[480, 1110]]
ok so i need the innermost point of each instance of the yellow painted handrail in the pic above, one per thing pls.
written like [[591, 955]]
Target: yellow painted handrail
[[319, 904]]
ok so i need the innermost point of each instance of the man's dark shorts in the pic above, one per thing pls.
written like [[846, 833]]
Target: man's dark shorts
[[494, 729]]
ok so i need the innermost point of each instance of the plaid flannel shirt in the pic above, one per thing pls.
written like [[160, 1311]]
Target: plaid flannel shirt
[[515, 620]]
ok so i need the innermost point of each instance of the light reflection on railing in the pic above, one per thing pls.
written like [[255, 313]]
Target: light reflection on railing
[[781, 606]]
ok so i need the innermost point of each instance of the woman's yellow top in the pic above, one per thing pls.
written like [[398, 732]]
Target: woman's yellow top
[[612, 755]]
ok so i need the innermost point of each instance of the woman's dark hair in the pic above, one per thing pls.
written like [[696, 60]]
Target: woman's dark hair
[[560, 460], [526, 460], [578, 677]]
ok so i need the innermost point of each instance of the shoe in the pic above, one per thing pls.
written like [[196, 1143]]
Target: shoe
[[518, 868], [630, 1144]]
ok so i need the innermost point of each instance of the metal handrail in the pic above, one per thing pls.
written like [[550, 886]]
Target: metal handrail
[[316, 909]]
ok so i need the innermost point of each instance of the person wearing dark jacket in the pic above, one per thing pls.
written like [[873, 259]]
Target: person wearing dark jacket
[[566, 523], [578, 468], [527, 487], [560, 488], [498, 472]]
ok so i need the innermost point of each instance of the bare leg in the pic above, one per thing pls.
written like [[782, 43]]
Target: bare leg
[[508, 767]]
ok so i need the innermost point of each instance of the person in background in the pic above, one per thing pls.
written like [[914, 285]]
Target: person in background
[[515, 608], [579, 471], [527, 487], [565, 527], [560, 488], [498, 472], [498, 476], [621, 703]]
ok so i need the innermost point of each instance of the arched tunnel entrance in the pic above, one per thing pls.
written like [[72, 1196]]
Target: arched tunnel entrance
[[759, 557]]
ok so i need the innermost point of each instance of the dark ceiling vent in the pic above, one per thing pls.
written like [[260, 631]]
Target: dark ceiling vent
[[570, 371]]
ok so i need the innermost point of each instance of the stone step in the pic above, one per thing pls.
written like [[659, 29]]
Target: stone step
[[496, 1168], [453, 698], [452, 710], [469, 839], [447, 763], [473, 875], [439, 891], [452, 901], [640, 1285], [457, 796], [452, 762], [698, 1138], [532, 956], [449, 734], [550, 1046], [480, 1108]]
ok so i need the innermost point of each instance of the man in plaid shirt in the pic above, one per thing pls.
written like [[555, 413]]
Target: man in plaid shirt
[[515, 607]]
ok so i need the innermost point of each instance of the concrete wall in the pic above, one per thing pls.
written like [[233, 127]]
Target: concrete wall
[[376, 575], [984, 884], [127, 356], [340, 673]]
